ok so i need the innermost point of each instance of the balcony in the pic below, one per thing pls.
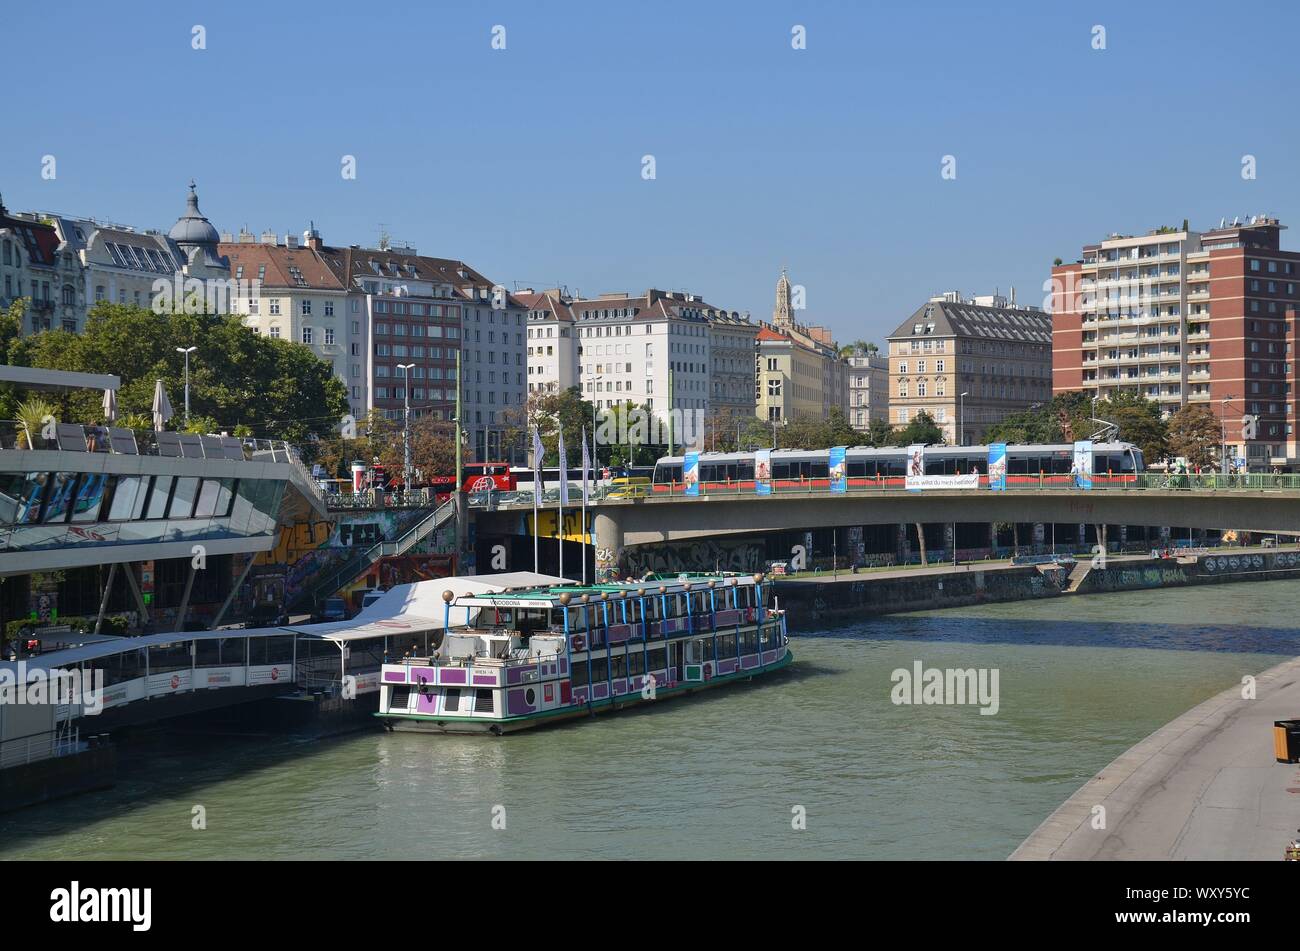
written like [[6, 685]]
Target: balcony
[[1198, 356]]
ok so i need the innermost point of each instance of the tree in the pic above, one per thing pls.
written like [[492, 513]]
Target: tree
[[921, 429], [276, 388], [879, 433], [1139, 422], [1195, 434]]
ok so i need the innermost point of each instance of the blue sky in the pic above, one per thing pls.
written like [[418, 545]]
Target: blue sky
[[527, 162]]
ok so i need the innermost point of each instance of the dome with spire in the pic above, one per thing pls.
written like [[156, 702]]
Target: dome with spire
[[192, 229]]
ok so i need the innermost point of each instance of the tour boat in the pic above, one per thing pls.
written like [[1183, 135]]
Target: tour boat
[[535, 656]]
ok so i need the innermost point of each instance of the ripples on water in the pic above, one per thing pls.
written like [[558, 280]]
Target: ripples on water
[[718, 775]]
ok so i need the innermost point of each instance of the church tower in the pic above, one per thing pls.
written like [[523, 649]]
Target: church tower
[[781, 316]]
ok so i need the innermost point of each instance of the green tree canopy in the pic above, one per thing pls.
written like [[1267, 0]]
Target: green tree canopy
[[1195, 433], [275, 388], [920, 429]]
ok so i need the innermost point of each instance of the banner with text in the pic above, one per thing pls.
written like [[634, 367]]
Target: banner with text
[[997, 466], [1082, 468], [916, 478], [838, 469], [691, 473]]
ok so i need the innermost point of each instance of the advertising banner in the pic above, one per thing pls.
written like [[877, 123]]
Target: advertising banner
[[1081, 469], [916, 478], [691, 473], [838, 469], [998, 466], [763, 471]]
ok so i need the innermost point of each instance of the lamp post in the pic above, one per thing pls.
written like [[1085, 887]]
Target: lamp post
[[961, 416], [187, 351], [596, 381], [406, 423], [1223, 433]]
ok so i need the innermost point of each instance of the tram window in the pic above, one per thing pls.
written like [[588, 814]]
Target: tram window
[[934, 466], [856, 468], [746, 470], [451, 700], [780, 470], [1062, 462], [970, 462], [578, 675], [1017, 465], [709, 473], [599, 669], [893, 466], [162, 488], [618, 666], [655, 658], [482, 701], [820, 470]]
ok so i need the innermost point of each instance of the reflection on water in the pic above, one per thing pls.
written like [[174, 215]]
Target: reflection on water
[[718, 775]]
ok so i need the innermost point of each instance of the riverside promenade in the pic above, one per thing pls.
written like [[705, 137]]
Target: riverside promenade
[[1205, 786]]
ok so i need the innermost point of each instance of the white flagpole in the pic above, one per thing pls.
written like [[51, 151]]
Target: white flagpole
[[537, 494], [564, 490], [586, 466]]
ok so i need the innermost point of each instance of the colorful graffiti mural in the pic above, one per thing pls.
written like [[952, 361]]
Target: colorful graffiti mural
[[703, 555]]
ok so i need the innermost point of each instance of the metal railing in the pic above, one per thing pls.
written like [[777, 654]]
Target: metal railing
[[15, 435], [414, 535]]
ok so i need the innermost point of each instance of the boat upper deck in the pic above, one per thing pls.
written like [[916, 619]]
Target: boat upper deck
[[575, 595]]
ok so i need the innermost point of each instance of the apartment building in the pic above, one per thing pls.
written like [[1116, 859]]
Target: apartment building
[[798, 371], [661, 349], [969, 363], [868, 388], [1183, 317], [33, 265]]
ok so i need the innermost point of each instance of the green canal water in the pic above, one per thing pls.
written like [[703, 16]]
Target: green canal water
[[722, 774]]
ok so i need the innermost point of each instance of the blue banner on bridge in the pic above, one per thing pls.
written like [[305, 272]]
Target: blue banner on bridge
[[997, 466], [1081, 470], [691, 473], [838, 470]]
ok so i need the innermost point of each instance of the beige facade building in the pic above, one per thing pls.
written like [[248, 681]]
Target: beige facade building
[[798, 372], [969, 363], [868, 376]]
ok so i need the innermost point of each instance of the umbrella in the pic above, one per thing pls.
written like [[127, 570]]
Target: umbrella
[[110, 405], [162, 407]]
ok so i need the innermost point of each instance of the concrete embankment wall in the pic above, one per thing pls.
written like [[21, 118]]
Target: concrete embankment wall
[[812, 602]]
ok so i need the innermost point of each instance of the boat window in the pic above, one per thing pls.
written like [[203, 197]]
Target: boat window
[[618, 666], [599, 669], [483, 701], [635, 662], [451, 703], [748, 642], [727, 645], [578, 675], [655, 658]]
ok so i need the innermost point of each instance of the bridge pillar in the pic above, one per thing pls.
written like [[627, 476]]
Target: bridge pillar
[[609, 545], [902, 549]]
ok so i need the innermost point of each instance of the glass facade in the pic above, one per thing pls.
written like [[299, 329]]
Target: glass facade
[[44, 510]]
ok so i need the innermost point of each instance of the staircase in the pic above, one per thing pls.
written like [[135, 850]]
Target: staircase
[[1077, 574], [361, 563]]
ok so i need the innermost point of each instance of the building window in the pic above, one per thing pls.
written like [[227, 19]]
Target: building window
[[329, 334], [275, 307]]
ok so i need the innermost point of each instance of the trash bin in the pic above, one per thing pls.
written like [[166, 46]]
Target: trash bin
[[1286, 740]]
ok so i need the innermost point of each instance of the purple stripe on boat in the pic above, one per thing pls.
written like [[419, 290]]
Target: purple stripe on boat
[[748, 661], [427, 703], [394, 676], [485, 680], [450, 676], [517, 702], [423, 675], [600, 691]]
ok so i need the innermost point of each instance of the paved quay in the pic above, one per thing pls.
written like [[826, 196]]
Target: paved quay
[[1205, 786]]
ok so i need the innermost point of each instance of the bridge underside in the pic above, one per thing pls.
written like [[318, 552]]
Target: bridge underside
[[650, 522]]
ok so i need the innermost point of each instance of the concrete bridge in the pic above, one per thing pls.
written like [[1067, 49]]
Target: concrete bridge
[[1265, 504]]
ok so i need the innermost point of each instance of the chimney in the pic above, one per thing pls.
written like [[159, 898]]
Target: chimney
[[311, 238], [268, 237]]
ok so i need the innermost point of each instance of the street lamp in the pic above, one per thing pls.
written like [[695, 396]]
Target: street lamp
[[1223, 433], [187, 351], [961, 415], [406, 425], [594, 403]]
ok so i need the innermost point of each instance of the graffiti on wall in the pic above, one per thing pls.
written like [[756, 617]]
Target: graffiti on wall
[[706, 554]]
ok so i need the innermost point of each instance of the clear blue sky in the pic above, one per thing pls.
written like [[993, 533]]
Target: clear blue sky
[[527, 162]]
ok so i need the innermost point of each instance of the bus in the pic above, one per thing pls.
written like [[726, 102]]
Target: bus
[[1047, 465], [478, 477]]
